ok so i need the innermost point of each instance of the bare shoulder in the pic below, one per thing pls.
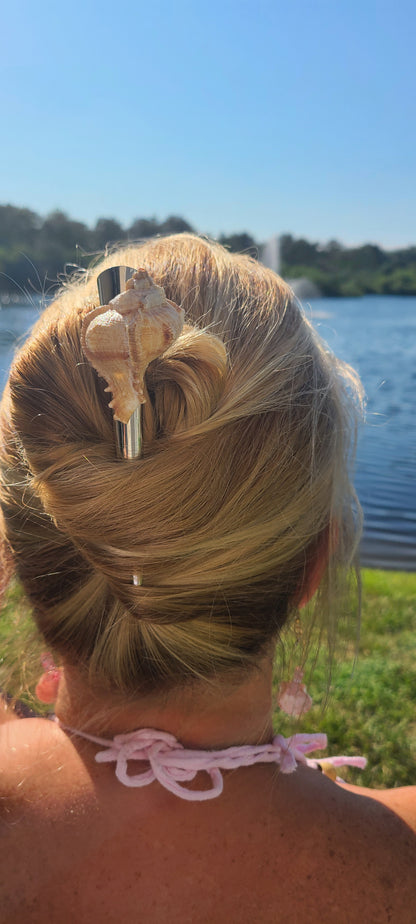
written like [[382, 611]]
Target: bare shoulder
[[301, 844], [357, 851], [382, 825], [16, 733], [33, 753], [369, 819], [22, 742], [401, 801]]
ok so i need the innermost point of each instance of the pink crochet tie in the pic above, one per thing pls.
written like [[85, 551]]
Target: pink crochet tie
[[171, 764]]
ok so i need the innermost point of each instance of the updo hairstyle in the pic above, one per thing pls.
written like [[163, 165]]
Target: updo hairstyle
[[242, 486]]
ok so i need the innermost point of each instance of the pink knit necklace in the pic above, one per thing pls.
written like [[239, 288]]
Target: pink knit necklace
[[172, 764]]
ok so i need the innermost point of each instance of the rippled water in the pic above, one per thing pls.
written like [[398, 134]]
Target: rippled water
[[377, 335]]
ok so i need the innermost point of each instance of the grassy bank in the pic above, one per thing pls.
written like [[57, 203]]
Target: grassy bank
[[372, 702]]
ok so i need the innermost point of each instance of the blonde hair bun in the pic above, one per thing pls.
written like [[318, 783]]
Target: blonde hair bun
[[247, 428]]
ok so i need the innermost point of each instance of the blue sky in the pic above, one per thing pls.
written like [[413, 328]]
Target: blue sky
[[262, 116]]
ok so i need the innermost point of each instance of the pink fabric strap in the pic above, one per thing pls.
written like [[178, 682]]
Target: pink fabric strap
[[172, 764]]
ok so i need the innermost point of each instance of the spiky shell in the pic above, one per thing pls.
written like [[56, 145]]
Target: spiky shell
[[122, 338]]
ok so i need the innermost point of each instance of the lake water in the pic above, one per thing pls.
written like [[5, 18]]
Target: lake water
[[377, 335]]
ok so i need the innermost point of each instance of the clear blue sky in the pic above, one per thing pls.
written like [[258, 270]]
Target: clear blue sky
[[261, 116]]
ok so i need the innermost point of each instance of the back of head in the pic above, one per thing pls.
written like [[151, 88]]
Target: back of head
[[243, 481]]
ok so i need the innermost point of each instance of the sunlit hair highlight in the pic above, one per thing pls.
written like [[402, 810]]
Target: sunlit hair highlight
[[244, 480]]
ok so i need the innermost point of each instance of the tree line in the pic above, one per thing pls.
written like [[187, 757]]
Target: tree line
[[348, 271], [37, 253]]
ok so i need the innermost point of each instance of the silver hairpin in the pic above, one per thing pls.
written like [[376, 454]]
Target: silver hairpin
[[134, 324], [121, 337], [110, 283]]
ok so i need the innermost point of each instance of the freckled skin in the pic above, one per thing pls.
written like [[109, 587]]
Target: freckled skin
[[79, 847]]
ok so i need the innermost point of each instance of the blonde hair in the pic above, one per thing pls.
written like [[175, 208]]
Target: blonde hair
[[243, 481]]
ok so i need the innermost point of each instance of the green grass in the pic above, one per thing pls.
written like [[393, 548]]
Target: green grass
[[372, 700], [20, 647]]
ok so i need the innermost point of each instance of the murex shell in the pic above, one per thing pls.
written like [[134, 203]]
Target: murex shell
[[122, 338]]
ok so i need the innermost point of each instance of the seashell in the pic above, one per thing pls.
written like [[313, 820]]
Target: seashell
[[122, 338], [293, 697]]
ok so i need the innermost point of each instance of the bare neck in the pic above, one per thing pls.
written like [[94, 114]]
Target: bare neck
[[204, 717]]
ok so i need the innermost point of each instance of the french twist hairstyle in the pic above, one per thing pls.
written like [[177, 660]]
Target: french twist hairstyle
[[243, 480]]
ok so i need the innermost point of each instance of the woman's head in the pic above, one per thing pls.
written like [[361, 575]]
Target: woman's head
[[242, 486]]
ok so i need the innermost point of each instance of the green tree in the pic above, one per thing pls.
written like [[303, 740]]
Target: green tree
[[239, 243], [296, 252], [107, 231], [18, 226], [62, 231], [175, 225], [143, 228]]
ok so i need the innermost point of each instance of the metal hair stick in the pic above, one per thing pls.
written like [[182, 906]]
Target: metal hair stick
[[130, 329], [129, 436], [112, 282], [134, 324]]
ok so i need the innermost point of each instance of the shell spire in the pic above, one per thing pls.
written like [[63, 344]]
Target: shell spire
[[122, 338]]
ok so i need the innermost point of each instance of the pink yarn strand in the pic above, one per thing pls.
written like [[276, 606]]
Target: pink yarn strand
[[171, 764]]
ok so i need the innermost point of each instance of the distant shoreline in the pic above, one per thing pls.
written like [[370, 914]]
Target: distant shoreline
[[37, 252]]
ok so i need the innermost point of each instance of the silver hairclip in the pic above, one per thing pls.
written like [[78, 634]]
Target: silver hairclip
[[134, 324], [110, 283], [128, 331]]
